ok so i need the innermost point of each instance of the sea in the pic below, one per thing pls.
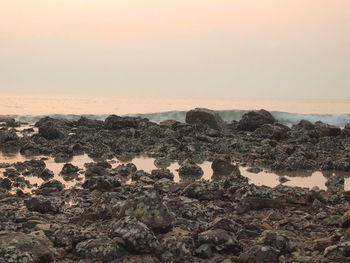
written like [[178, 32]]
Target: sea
[[30, 108]]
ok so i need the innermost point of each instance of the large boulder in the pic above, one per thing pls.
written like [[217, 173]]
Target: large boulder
[[136, 235], [190, 168], [114, 122], [99, 249], [205, 116], [150, 210], [254, 119], [346, 131], [52, 129], [20, 247], [324, 129], [223, 166], [40, 205]]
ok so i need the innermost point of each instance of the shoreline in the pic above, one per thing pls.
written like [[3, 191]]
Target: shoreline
[[193, 220]]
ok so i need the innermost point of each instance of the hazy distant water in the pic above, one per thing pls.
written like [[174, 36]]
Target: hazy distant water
[[290, 111]]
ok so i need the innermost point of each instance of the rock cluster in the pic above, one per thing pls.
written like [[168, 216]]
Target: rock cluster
[[151, 218]]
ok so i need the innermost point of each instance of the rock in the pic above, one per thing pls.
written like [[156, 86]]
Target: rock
[[335, 184], [176, 246], [274, 131], [188, 208], [9, 136], [260, 254], [114, 122], [204, 251], [326, 129], [10, 122], [277, 240], [40, 205], [52, 129], [345, 220], [190, 168], [51, 187], [85, 122], [125, 170], [150, 210], [203, 191], [69, 172], [205, 116], [338, 253], [158, 174], [5, 183], [99, 249], [254, 170], [101, 183], [46, 174], [219, 239], [225, 224], [11, 173], [136, 235], [346, 131], [254, 119], [261, 203], [223, 166], [68, 168], [20, 247], [30, 149]]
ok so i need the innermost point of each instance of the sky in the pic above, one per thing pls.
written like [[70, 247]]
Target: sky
[[194, 48]]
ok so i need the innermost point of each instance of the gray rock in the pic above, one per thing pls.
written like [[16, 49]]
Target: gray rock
[[20, 247], [136, 235], [40, 205], [150, 210], [205, 116], [99, 249]]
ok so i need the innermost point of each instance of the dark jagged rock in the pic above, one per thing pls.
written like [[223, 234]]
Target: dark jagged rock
[[5, 183], [101, 183], [51, 187], [205, 116], [254, 119], [161, 173], [190, 168], [149, 210], [20, 247], [274, 131], [69, 171], [346, 131], [223, 166], [220, 240], [85, 122], [176, 246], [114, 122], [278, 241], [326, 129], [125, 170], [260, 254], [52, 129], [136, 235], [99, 249], [46, 174], [40, 205]]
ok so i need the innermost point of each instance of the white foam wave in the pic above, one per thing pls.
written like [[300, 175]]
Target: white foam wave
[[228, 115]]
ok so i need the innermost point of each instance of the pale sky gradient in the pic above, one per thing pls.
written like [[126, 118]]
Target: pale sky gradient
[[218, 48]]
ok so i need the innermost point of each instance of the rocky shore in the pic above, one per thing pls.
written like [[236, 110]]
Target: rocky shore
[[124, 214]]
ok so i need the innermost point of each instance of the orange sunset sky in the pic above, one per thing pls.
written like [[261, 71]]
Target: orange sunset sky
[[222, 48]]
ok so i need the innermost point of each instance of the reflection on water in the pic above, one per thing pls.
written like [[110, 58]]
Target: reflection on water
[[300, 179]]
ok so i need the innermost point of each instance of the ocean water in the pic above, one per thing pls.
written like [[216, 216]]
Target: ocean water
[[266, 178], [30, 108]]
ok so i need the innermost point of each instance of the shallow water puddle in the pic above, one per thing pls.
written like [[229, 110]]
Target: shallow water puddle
[[300, 179]]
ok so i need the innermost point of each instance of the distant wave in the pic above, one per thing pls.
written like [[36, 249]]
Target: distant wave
[[228, 115]]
